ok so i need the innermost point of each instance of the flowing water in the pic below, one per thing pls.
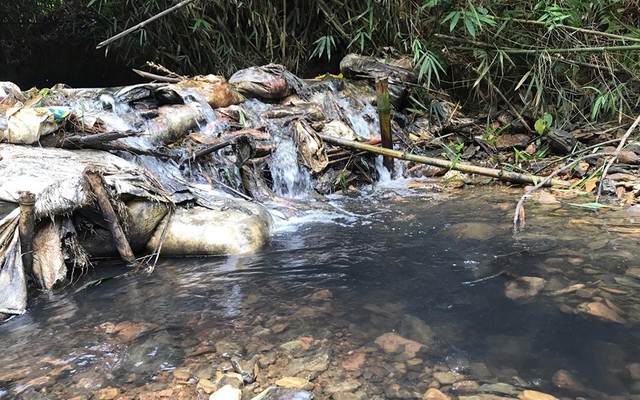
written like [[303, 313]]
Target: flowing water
[[330, 285]]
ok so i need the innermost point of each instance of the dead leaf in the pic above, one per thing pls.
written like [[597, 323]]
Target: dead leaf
[[590, 185], [628, 157]]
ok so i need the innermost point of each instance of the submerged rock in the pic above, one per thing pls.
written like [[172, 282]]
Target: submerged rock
[[564, 379], [533, 395], [601, 311], [524, 287], [392, 342], [435, 394]]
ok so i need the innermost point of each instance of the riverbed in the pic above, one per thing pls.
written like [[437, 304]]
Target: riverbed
[[393, 293]]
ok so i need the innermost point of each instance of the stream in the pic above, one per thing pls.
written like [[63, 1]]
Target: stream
[[327, 297]]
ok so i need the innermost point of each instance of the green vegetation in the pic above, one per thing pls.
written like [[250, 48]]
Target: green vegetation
[[571, 59]]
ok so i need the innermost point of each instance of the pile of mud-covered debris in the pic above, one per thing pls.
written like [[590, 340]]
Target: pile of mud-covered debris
[[187, 166]]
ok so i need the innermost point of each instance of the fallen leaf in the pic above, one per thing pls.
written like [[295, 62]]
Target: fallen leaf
[[590, 185]]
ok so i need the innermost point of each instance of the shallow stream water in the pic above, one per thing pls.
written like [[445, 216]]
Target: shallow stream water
[[329, 285]]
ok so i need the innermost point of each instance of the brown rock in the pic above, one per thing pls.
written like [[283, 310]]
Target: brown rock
[[182, 374], [524, 287], [533, 395], [354, 362], [294, 382], [277, 328], [435, 394], [564, 379], [633, 272], [391, 342], [324, 294], [601, 311], [108, 393], [447, 378], [465, 386], [207, 386], [634, 371], [127, 330]]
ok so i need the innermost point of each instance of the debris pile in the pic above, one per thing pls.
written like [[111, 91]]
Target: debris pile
[[190, 166]]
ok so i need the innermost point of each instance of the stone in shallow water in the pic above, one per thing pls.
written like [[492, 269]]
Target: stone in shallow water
[[634, 371], [354, 362], [533, 395], [415, 329], [473, 230], [601, 311], [435, 394], [391, 342], [317, 362], [524, 287], [564, 379], [499, 388], [447, 378]]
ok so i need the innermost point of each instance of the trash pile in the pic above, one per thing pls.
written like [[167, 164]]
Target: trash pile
[[184, 167], [198, 166]]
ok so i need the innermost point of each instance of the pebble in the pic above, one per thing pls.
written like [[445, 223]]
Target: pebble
[[533, 395], [108, 393], [564, 379], [447, 378], [435, 394], [294, 382]]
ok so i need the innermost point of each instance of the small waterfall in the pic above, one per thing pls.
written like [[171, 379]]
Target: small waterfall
[[362, 117], [290, 179], [384, 176]]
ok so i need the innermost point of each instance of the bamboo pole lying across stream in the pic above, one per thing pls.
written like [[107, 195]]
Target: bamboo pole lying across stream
[[501, 174]]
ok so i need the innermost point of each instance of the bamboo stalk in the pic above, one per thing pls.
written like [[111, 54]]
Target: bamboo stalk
[[143, 23], [573, 28], [384, 115], [26, 228], [110, 217], [501, 174], [489, 46]]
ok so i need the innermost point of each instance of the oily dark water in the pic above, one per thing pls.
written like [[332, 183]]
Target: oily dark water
[[411, 266]]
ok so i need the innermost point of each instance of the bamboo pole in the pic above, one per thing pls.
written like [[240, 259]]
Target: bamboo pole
[[143, 23], [384, 115], [26, 226], [110, 217], [501, 174], [508, 50]]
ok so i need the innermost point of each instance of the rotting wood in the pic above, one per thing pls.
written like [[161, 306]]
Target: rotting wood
[[26, 227], [501, 174], [122, 243], [384, 115]]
